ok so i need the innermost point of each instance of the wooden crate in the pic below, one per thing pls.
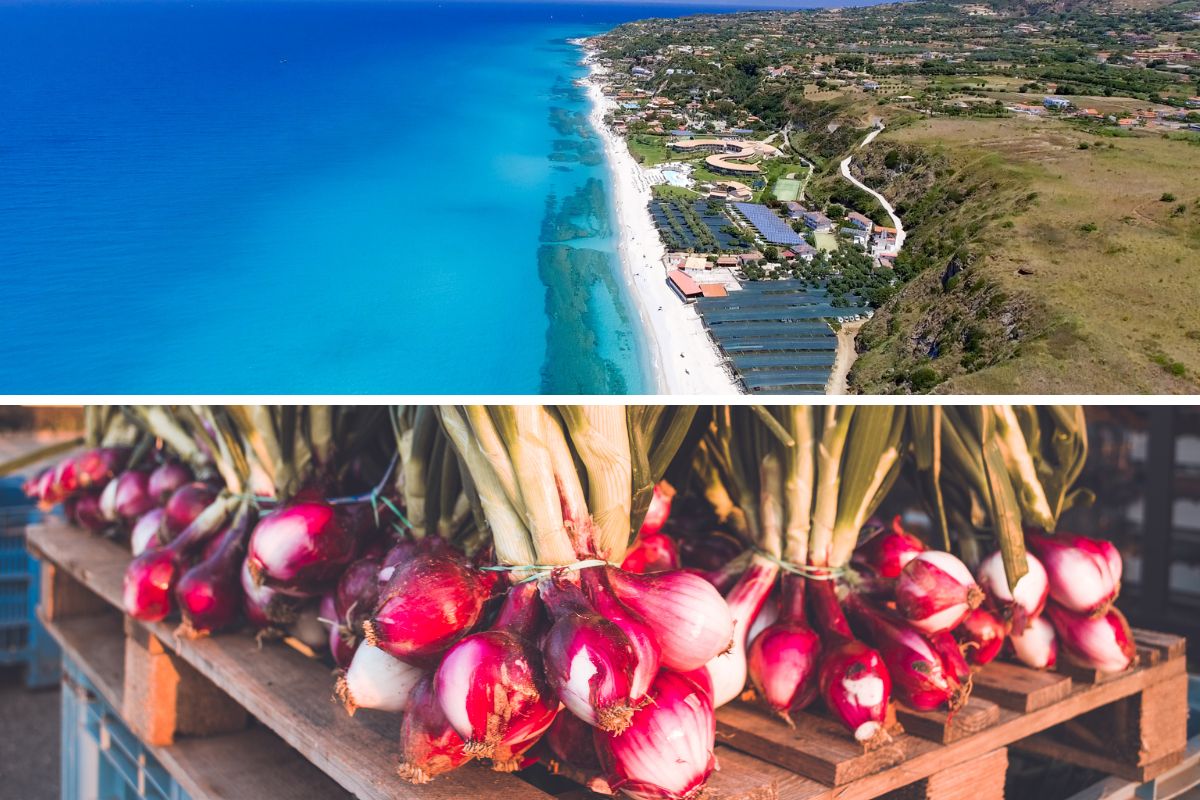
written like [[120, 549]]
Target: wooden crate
[[225, 697]]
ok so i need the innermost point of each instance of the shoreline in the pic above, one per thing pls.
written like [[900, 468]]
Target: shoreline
[[683, 360]]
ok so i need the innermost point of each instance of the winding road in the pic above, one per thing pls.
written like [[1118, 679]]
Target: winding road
[[896, 223]]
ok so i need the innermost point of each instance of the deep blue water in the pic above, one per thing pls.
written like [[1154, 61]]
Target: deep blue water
[[306, 197]]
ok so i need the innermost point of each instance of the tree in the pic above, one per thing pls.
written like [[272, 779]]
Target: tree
[[771, 252]]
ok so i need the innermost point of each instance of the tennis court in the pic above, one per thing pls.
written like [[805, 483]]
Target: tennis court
[[787, 189]]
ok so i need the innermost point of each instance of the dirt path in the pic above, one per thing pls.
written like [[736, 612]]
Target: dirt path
[[846, 355]]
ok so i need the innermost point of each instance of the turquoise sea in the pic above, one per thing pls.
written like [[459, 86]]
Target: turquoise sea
[[297, 196]]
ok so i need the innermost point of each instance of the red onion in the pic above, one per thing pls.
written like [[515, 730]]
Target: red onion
[[768, 615], [357, 595], [589, 661], [36, 487], [1024, 602], [342, 646], [689, 618], [936, 591], [99, 466], [570, 741], [148, 590], [827, 612], [710, 552], [1104, 643], [210, 593], [659, 509], [183, 506], [856, 687], [1084, 574], [953, 660], [144, 535], [108, 502], [1036, 646], [783, 658], [653, 552], [166, 478], [65, 477], [431, 602], [87, 512], [728, 669], [429, 745], [377, 680], [982, 636], [637, 631], [920, 676], [264, 607], [132, 498], [667, 752], [887, 552], [301, 548], [400, 553], [490, 685]]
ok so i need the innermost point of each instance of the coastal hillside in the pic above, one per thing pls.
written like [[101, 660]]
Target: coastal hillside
[[1045, 259]]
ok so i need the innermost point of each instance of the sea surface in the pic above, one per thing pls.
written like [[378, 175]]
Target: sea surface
[[307, 196]]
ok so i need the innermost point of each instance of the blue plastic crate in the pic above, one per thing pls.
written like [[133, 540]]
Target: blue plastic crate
[[23, 640], [101, 757]]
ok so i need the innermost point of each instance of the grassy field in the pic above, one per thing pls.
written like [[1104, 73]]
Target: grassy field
[[649, 149], [1103, 264]]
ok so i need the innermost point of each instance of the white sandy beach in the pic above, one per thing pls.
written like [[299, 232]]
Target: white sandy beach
[[684, 359]]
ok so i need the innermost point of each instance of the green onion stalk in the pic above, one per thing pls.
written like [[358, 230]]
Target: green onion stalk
[[997, 470]]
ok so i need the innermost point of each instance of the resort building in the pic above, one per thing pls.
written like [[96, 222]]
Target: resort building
[[730, 156], [683, 285], [816, 221], [731, 190], [860, 221], [1056, 103]]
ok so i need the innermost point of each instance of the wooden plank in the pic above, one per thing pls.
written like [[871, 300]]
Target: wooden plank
[[253, 763], [165, 698], [939, 726], [1019, 688], [1168, 645], [979, 779], [289, 694], [817, 747], [737, 777], [1045, 744], [62, 596]]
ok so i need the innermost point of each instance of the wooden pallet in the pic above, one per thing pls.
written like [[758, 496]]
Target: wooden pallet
[[1132, 724], [249, 703]]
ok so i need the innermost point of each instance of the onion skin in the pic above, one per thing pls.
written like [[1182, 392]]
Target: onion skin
[[728, 669], [887, 552], [356, 596], [166, 478], [570, 741], [689, 618], [641, 637], [668, 751], [1036, 646], [209, 594], [144, 535], [132, 497], [784, 657], [429, 604], [65, 478], [1084, 574], [376, 680], [981, 636], [1018, 605], [97, 467], [856, 687], [920, 676], [589, 661], [653, 552], [183, 506], [491, 688], [87, 512], [1104, 643], [659, 509], [429, 746], [936, 591], [265, 608], [710, 553], [301, 549]]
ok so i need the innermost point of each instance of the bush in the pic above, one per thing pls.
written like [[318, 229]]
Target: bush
[[923, 379], [1167, 197]]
